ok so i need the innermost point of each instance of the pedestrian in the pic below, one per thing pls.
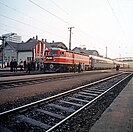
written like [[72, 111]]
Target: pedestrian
[[82, 67], [25, 65], [11, 66], [21, 65], [79, 67], [28, 67], [15, 65], [74, 67], [117, 67]]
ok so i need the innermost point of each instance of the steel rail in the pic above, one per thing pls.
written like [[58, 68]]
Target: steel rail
[[92, 101], [31, 81], [6, 113], [49, 76], [43, 78]]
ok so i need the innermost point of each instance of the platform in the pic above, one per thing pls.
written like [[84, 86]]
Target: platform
[[118, 117]]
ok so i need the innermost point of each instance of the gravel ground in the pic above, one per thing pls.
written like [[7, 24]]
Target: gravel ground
[[84, 120], [18, 96]]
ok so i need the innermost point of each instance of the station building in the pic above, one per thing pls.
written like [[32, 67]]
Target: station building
[[32, 50], [128, 60]]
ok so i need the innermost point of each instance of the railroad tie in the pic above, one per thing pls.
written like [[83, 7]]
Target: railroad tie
[[61, 107], [50, 114], [33, 122]]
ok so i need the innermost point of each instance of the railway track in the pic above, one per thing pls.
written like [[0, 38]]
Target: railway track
[[56, 112], [31, 81], [6, 84]]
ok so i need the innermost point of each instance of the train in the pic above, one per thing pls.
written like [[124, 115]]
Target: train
[[60, 60]]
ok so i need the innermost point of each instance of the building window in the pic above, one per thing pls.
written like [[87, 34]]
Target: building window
[[29, 58]]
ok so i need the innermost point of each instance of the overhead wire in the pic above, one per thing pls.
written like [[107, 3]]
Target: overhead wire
[[34, 18], [16, 10], [50, 13], [24, 14], [60, 7], [4, 29], [12, 8], [116, 18], [56, 16], [13, 27], [34, 27]]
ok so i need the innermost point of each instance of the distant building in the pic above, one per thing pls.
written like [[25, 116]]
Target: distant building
[[19, 51], [86, 52], [128, 60], [55, 44], [12, 37]]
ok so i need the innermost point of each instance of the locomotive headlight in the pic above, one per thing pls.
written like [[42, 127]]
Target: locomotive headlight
[[51, 66]]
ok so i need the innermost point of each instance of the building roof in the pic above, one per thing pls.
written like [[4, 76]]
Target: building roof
[[27, 46], [56, 45], [30, 44], [86, 52]]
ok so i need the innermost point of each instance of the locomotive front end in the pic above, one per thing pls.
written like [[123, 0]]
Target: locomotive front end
[[50, 61]]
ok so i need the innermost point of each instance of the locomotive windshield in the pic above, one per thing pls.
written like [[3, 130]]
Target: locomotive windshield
[[51, 53], [54, 53]]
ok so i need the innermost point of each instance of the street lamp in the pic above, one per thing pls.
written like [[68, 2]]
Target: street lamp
[[3, 45]]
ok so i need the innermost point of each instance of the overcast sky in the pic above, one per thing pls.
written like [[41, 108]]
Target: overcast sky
[[97, 23]]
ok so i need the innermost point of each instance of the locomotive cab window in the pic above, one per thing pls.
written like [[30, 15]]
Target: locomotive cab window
[[62, 54]]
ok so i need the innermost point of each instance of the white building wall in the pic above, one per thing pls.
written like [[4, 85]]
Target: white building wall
[[130, 64], [24, 56], [9, 54]]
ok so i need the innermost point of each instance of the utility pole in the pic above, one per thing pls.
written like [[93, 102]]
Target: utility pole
[[3, 46], [70, 29]]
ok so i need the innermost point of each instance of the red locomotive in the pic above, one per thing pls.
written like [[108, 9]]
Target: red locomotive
[[60, 60]]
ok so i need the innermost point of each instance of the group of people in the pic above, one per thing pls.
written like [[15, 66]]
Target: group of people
[[79, 68], [13, 65], [24, 66]]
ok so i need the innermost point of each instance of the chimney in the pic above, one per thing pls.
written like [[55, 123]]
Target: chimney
[[42, 40], [36, 37], [53, 41], [33, 37], [45, 40]]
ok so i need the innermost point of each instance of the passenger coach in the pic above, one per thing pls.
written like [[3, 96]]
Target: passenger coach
[[101, 63]]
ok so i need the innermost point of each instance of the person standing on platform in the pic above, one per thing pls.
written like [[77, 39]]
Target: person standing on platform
[[21, 65], [15, 65], [11, 66], [25, 65], [28, 67], [79, 67]]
